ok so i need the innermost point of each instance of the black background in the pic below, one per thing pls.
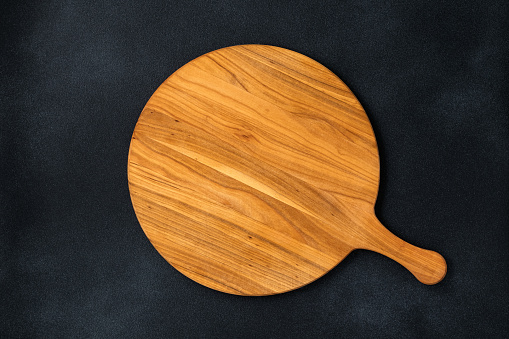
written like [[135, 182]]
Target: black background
[[75, 75]]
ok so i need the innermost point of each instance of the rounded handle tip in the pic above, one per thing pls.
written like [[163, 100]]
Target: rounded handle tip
[[434, 269]]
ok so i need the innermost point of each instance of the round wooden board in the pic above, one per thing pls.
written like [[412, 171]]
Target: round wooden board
[[254, 170]]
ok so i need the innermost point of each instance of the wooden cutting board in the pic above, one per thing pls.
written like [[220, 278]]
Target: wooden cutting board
[[254, 170]]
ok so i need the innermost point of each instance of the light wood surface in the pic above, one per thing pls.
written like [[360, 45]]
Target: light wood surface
[[254, 170]]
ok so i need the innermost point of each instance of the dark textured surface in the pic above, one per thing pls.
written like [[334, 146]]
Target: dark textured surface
[[74, 262]]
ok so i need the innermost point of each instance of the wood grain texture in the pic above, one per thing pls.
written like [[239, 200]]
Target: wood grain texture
[[254, 170]]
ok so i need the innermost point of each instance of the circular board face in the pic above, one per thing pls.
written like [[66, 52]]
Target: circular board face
[[250, 167]]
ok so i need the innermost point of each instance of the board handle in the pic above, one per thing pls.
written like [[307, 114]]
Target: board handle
[[427, 266]]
